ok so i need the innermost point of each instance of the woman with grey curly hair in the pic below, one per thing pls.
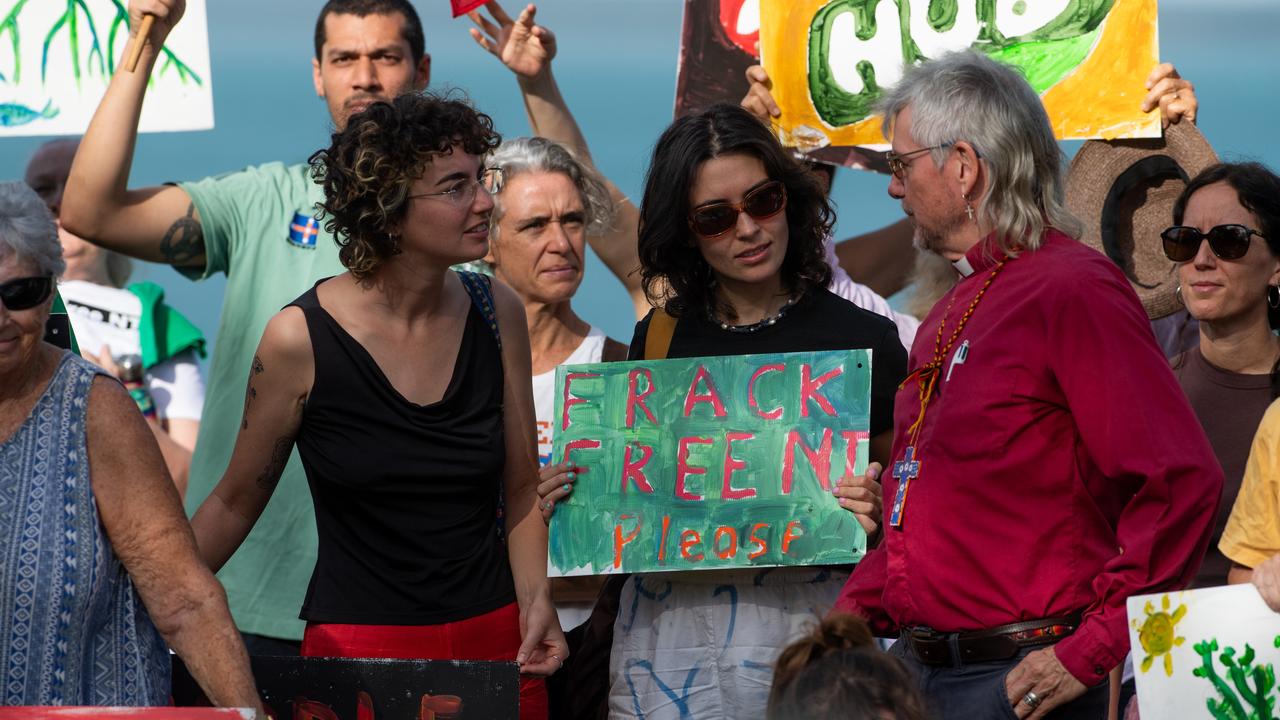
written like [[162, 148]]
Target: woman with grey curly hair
[[102, 571], [405, 387]]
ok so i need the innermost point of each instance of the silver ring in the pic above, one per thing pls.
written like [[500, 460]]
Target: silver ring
[[1032, 699]]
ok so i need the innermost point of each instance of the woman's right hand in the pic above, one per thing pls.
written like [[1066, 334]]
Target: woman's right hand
[[555, 482]]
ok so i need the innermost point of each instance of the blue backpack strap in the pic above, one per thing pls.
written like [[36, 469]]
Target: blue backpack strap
[[479, 287]]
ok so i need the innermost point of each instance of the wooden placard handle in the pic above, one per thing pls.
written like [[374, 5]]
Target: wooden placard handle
[[136, 51]]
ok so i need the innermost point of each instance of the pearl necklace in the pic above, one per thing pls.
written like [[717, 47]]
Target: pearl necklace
[[755, 326]]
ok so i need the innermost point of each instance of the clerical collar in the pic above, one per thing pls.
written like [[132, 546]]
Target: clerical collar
[[982, 256]]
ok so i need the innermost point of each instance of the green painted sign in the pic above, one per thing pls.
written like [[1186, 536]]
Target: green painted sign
[[715, 462]]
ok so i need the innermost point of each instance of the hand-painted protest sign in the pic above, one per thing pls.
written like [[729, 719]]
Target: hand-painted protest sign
[[308, 688], [712, 462], [830, 60], [1209, 653], [57, 56], [717, 45]]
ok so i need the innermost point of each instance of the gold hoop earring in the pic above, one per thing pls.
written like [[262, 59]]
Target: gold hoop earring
[[1177, 293]]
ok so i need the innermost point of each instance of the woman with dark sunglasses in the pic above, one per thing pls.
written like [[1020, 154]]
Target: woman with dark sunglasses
[[731, 247], [1226, 241], [98, 552]]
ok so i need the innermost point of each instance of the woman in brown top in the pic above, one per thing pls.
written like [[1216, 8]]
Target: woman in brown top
[[1226, 241]]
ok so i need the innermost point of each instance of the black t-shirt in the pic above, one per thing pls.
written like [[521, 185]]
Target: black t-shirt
[[819, 321]]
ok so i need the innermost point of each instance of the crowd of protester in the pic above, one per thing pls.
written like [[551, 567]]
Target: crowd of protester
[[1071, 434]]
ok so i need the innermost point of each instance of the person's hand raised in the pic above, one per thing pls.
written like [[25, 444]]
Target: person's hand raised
[[1175, 96], [525, 47], [759, 98], [167, 13]]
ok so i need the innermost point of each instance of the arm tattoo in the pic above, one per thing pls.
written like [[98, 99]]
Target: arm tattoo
[[183, 242], [279, 457], [252, 392]]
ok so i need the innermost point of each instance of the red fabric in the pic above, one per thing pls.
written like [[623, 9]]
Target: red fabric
[[1061, 439], [492, 636], [462, 7]]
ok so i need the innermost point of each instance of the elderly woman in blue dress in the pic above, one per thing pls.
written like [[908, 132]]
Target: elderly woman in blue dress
[[98, 567]]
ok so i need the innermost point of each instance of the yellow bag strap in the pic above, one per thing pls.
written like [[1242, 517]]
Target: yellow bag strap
[[657, 341]]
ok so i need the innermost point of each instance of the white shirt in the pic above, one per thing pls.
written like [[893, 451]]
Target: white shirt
[[102, 315], [867, 299], [544, 390]]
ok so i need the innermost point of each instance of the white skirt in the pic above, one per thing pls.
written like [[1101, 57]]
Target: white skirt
[[703, 644]]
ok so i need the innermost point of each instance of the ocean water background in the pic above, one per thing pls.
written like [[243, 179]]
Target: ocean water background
[[617, 67]]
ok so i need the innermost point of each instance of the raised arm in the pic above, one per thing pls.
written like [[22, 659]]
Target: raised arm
[[279, 382], [527, 49], [143, 520], [157, 224]]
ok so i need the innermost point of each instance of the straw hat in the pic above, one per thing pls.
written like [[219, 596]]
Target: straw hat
[[1124, 192]]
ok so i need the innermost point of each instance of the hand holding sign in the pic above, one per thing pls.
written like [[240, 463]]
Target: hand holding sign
[[151, 21]]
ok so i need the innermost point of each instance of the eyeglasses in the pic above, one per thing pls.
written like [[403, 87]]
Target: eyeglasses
[[1228, 242], [760, 203], [26, 293], [898, 164], [465, 192]]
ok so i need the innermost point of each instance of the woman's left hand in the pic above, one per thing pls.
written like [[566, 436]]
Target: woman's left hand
[[543, 648], [863, 497]]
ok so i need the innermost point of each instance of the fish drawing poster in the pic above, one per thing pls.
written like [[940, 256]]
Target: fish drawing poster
[[831, 60], [57, 56], [1210, 653]]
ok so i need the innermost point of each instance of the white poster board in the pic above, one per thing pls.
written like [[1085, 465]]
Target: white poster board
[[56, 57], [1207, 653]]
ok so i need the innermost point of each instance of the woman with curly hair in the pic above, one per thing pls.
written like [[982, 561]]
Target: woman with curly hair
[[405, 387], [731, 250]]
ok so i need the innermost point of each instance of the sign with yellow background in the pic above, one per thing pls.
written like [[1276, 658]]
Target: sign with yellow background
[[830, 60]]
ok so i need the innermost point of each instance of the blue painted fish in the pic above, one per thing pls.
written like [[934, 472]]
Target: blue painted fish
[[13, 114]]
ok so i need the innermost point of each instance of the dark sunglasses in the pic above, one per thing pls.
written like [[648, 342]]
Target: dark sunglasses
[[761, 203], [25, 293], [1228, 242]]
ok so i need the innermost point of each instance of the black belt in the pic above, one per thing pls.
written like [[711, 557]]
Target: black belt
[[998, 643]]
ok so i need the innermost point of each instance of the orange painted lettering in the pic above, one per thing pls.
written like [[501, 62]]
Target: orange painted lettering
[[788, 536], [761, 547], [619, 541], [732, 549], [688, 539]]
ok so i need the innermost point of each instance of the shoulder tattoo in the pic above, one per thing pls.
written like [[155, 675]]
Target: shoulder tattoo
[[183, 242]]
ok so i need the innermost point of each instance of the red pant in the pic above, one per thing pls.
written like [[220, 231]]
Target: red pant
[[492, 636]]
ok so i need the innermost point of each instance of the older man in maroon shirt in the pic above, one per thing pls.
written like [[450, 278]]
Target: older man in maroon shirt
[[1047, 465]]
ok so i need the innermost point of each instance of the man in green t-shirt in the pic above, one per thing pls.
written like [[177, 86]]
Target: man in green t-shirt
[[257, 227]]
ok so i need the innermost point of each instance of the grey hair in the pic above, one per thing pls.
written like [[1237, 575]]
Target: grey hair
[[27, 229], [535, 154], [967, 96]]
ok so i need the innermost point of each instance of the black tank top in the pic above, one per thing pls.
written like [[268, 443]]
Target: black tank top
[[405, 495]]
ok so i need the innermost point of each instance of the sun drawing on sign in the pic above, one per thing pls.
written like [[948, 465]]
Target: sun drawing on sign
[[1157, 634]]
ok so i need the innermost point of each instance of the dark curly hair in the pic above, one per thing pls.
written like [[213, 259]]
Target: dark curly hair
[[836, 671], [673, 271], [369, 168]]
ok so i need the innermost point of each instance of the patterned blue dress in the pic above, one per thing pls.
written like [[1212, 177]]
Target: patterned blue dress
[[73, 630]]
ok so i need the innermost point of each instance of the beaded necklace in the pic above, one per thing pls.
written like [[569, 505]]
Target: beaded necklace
[[908, 468]]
